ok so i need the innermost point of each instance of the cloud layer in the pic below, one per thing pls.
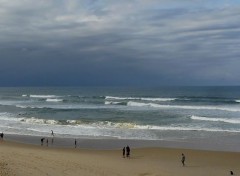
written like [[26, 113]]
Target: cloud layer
[[138, 42]]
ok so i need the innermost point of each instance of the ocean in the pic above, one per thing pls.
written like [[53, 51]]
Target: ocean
[[164, 113]]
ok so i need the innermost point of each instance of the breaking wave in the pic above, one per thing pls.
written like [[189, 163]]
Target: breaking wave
[[139, 98], [114, 103], [233, 121], [154, 105], [54, 100], [43, 96]]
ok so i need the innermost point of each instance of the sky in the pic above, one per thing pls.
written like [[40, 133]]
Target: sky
[[119, 43]]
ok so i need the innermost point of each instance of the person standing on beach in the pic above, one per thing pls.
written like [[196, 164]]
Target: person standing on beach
[[128, 151], [2, 135], [75, 143], [183, 159], [52, 136], [47, 142], [52, 133], [123, 152], [42, 139]]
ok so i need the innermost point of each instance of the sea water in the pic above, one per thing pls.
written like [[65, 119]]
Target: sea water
[[165, 113]]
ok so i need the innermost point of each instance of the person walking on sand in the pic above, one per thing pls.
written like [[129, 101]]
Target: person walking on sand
[[75, 143], [183, 159], [123, 152], [47, 142], [128, 151]]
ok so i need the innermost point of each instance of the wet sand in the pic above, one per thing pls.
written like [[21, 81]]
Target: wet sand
[[27, 159], [229, 142]]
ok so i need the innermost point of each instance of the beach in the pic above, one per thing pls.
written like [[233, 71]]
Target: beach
[[28, 159], [158, 125]]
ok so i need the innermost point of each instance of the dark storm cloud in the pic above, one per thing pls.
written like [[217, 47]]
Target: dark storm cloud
[[124, 42]]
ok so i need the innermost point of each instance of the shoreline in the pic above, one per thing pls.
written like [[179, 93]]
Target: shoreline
[[227, 143]]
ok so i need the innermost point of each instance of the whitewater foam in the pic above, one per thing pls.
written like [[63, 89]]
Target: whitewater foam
[[120, 98], [158, 99], [44, 96], [139, 98], [111, 103], [234, 121], [34, 120], [54, 100], [154, 105]]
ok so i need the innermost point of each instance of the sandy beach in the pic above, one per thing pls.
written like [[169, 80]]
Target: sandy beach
[[28, 160]]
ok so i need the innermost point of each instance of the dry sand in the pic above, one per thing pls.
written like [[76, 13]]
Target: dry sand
[[31, 160]]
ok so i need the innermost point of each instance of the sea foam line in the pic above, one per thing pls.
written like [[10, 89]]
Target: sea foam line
[[139, 98], [111, 103], [44, 96], [153, 105], [107, 125], [234, 121], [54, 100]]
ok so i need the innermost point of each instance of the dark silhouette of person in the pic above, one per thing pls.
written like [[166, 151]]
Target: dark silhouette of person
[[2, 135], [128, 151], [231, 172], [75, 143], [183, 159], [47, 142], [42, 139], [123, 152]]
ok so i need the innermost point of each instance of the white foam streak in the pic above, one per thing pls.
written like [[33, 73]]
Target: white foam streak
[[131, 103], [108, 124], [28, 106], [139, 98], [234, 121], [54, 100], [172, 128], [237, 101], [44, 96], [111, 103], [158, 99], [120, 98]]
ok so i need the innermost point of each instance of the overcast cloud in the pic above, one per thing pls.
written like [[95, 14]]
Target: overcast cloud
[[127, 42]]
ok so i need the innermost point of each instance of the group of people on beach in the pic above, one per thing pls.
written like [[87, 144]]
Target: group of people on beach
[[126, 150], [42, 139], [52, 134]]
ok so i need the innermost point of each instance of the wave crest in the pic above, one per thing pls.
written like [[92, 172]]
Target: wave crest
[[139, 98], [43, 96], [54, 100], [154, 105], [213, 119]]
